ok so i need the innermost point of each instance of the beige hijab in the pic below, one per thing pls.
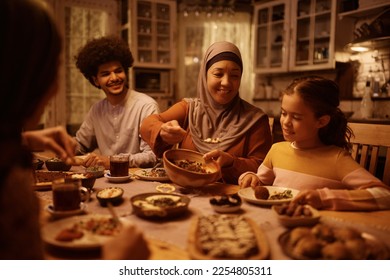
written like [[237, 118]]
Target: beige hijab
[[216, 126]]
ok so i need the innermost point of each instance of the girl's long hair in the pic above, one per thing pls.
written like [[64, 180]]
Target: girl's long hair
[[322, 95]]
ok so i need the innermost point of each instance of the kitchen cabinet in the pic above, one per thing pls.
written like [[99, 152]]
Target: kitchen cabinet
[[150, 28], [271, 36], [295, 35], [153, 32], [313, 34]]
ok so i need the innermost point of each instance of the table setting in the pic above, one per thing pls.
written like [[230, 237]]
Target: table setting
[[175, 234]]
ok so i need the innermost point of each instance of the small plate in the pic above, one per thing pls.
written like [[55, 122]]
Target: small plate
[[117, 179], [143, 175], [62, 214], [226, 208], [291, 221], [249, 195]]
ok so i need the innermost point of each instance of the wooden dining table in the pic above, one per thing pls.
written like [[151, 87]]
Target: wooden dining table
[[168, 238]]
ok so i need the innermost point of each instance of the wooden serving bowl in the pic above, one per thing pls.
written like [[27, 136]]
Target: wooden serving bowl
[[188, 178]]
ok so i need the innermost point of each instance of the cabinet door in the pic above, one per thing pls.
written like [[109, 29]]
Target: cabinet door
[[313, 32], [153, 33], [271, 37]]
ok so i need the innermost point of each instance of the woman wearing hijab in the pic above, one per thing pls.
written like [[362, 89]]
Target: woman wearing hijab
[[218, 123]]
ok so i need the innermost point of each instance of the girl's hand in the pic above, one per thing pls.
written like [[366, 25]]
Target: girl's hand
[[311, 197], [172, 133], [249, 180]]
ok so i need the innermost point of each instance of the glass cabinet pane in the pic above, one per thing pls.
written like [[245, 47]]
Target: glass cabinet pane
[[162, 12], [262, 47], [154, 33], [270, 37], [313, 35], [144, 9]]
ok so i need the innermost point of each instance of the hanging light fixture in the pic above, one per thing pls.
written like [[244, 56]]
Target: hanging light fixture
[[208, 7]]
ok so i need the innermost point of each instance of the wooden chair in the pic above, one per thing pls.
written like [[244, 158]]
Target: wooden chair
[[371, 148]]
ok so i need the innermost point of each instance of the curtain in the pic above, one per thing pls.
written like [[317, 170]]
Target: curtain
[[197, 33]]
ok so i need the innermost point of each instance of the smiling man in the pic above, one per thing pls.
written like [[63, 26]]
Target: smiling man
[[112, 124]]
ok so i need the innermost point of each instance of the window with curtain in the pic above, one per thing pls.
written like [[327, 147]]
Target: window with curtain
[[197, 33], [81, 25]]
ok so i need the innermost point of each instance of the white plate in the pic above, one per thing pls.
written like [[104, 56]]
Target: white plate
[[142, 174], [88, 241], [62, 214], [249, 195], [117, 179]]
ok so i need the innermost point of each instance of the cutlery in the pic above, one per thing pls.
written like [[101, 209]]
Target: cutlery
[[113, 213]]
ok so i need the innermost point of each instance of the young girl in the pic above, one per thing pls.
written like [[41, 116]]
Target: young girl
[[315, 157]]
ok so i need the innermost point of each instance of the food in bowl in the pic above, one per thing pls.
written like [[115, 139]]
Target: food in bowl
[[191, 165], [293, 215], [96, 171], [188, 168], [56, 164], [87, 180], [159, 205], [226, 203], [113, 195]]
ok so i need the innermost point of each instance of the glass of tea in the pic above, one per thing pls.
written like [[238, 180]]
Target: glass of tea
[[68, 194], [119, 165]]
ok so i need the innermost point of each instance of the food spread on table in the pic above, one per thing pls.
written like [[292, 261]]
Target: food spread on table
[[98, 226], [191, 165], [333, 243], [223, 236], [262, 192], [157, 202], [227, 237], [154, 172]]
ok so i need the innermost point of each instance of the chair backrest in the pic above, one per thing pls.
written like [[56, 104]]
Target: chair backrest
[[371, 148]]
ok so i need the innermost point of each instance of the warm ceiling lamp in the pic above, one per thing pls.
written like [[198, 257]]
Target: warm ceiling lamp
[[208, 7]]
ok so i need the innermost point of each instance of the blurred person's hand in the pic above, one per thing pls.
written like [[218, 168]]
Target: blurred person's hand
[[172, 133], [129, 244], [55, 139]]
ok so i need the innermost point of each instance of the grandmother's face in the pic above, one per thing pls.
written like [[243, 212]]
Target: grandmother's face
[[223, 81]]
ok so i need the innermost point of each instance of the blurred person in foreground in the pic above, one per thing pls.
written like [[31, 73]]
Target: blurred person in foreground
[[217, 123], [29, 79], [112, 124], [315, 158]]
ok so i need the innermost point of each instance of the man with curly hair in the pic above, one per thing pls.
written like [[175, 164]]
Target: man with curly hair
[[112, 124]]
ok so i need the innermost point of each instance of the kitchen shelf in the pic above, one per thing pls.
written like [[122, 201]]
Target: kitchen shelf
[[364, 12]]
